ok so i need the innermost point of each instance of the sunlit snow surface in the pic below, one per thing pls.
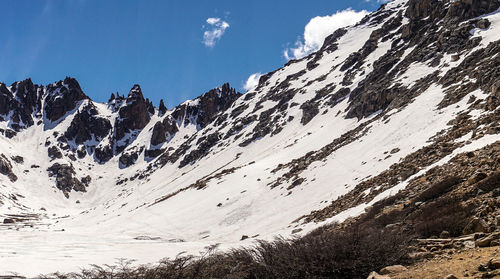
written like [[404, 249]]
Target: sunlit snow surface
[[121, 221]]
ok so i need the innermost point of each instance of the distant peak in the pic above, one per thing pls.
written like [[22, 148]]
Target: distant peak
[[135, 92]]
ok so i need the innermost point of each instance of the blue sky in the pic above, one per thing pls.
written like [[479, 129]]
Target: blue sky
[[168, 47]]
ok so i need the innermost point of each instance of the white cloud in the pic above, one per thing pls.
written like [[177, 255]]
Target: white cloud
[[216, 27], [252, 81], [318, 28]]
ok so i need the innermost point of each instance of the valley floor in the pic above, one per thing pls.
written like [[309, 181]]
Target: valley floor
[[465, 264], [50, 251]]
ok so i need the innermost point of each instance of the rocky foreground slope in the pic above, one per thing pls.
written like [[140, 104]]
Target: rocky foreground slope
[[400, 101]]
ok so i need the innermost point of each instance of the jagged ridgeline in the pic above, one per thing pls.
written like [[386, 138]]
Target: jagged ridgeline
[[394, 103]]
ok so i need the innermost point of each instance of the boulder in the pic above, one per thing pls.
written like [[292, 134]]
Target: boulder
[[375, 275], [81, 152], [444, 234], [8, 221], [494, 263], [487, 240], [393, 269], [475, 225], [483, 23], [54, 152], [128, 159], [18, 159]]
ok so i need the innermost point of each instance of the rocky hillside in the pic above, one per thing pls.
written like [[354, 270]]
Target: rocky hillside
[[396, 103]]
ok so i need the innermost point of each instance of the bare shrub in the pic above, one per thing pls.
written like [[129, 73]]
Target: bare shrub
[[444, 214], [324, 253]]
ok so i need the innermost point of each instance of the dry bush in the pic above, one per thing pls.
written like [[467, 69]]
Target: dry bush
[[324, 253], [444, 214]]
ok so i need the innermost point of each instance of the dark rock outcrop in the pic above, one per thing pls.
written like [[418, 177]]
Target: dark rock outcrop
[[22, 102], [466, 9], [128, 159], [134, 115], [202, 110], [204, 145], [62, 97], [86, 124], [54, 153], [66, 180], [163, 130], [6, 168], [162, 108], [5, 99], [103, 153]]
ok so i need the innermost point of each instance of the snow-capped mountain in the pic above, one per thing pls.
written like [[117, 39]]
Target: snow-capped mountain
[[382, 102]]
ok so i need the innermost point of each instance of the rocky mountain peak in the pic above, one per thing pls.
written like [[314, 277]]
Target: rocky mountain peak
[[162, 108], [134, 115], [62, 97], [202, 110], [135, 93]]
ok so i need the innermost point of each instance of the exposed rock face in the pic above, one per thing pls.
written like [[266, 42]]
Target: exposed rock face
[[376, 92], [54, 152], [134, 115], [5, 98], [203, 109], [204, 145], [419, 9], [128, 159], [103, 153], [451, 11], [466, 9], [6, 168], [87, 124], [28, 101], [62, 97], [66, 180], [162, 130], [162, 109], [23, 101]]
